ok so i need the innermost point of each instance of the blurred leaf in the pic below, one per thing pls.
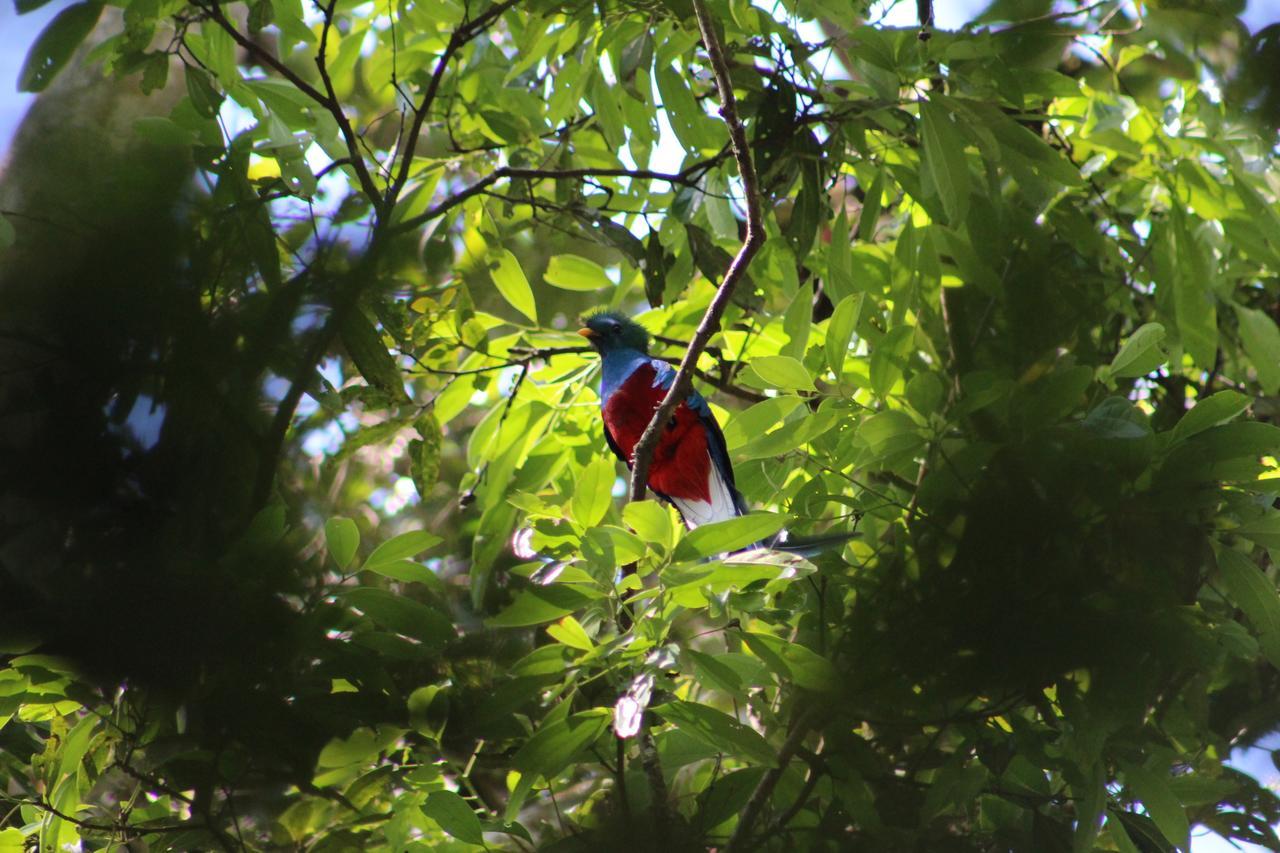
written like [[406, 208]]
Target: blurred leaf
[[781, 371], [719, 730], [1211, 411], [540, 604], [402, 615], [944, 160], [56, 44], [370, 354], [555, 745], [509, 278], [402, 547], [840, 329], [593, 491], [1141, 353], [1261, 340], [454, 816], [342, 537], [572, 272], [1165, 809], [570, 632], [1255, 594], [424, 454]]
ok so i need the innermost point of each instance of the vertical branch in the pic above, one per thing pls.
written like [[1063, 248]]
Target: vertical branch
[[800, 728], [461, 36], [683, 383], [367, 186], [754, 238]]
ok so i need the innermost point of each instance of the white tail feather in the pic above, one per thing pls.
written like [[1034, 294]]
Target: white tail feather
[[720, 507]]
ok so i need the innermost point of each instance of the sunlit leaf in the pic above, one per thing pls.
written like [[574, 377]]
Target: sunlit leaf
[[510, 280]]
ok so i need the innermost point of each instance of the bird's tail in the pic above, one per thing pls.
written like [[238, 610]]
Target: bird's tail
[[807, 546]]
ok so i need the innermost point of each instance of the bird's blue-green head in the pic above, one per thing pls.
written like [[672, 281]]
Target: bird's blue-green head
[[609, 331]]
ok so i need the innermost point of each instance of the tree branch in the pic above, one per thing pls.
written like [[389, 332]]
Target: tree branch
[[367, 185], [753, 239], [683, 177], [261, 55], [799, 731], [461, 36]]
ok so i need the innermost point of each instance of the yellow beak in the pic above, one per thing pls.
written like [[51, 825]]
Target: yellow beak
[[586, 333]]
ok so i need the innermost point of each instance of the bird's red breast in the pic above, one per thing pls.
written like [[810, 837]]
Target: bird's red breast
[[681, 462]]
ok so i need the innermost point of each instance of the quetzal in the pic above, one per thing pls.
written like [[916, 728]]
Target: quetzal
[[690, 467]]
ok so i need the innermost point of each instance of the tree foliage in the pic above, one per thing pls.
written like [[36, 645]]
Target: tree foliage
[[312, 540]]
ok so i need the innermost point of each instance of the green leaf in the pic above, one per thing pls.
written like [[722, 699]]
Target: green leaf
[[727, 795], [710, 670], [1141, 353], [593, 491], [454, 816], [783, 372], [56, 45], [686, 116], [1261, 341], [807, 668], [7, 234], [1255, 594], [1195, 306], [1265, 531], [1211, 411], [839, 283], [570, 632], [402, 615], [729, 535], [509, 278], [792, 435], [373, 360], [718, 729], [200, 89], [944, 160], [402, 547], [408, 571], [23, 7], [869, 217], [540, 604], [554, 746], [1161, 804], [429, 709], [840, 329], [651, 521], [571, 272], [797, 322], [424, 454], [889, 359], [342, 538]]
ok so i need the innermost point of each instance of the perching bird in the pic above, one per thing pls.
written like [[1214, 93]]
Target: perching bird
[[690, 467]]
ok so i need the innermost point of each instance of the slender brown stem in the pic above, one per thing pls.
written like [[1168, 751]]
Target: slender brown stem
[[753, 239], [800, 729], [461, 36], [684, 177], [367, 185]]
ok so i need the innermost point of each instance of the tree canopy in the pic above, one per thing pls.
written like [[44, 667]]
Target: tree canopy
[[309, 535]]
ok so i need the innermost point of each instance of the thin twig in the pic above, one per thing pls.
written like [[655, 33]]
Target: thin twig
[[367, 185], [685, 177], [764, 789], [753, 239], [460, 37]]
